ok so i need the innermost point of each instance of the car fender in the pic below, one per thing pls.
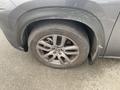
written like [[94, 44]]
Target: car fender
[[74, 14]]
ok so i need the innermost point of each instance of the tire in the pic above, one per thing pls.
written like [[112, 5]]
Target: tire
[[53, 55]]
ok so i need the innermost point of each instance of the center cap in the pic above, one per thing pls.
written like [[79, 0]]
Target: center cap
[[57, 49]]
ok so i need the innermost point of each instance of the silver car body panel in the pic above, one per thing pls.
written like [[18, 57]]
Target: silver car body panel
[[99, 15], [113, 48]]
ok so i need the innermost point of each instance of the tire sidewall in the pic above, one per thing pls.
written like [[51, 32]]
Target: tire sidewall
[[78, 37]]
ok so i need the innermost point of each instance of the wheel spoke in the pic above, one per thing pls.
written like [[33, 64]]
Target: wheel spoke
[[45, 43], [48, 54], [54, 40], [49, 39], [66, 57], [70, 48], [63, 40], [71, 52], [42, 48], [53, 58], [60, 59]]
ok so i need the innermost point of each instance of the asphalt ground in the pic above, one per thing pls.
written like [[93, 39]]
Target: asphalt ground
[[20, 71]]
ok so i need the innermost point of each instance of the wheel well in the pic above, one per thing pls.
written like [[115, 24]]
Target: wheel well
[[88, 30]]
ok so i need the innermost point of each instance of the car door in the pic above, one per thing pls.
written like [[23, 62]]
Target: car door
[[113, 48]]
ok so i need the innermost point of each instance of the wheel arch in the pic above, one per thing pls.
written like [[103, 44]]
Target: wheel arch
[[71, 14]]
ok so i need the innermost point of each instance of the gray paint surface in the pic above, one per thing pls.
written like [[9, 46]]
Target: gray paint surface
[[105, 11], [114, 44]]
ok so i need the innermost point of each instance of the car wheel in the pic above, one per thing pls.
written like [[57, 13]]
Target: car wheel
[[59, 45]]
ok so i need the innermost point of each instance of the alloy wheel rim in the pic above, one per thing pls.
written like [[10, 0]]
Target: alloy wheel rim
[[57, 49]]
